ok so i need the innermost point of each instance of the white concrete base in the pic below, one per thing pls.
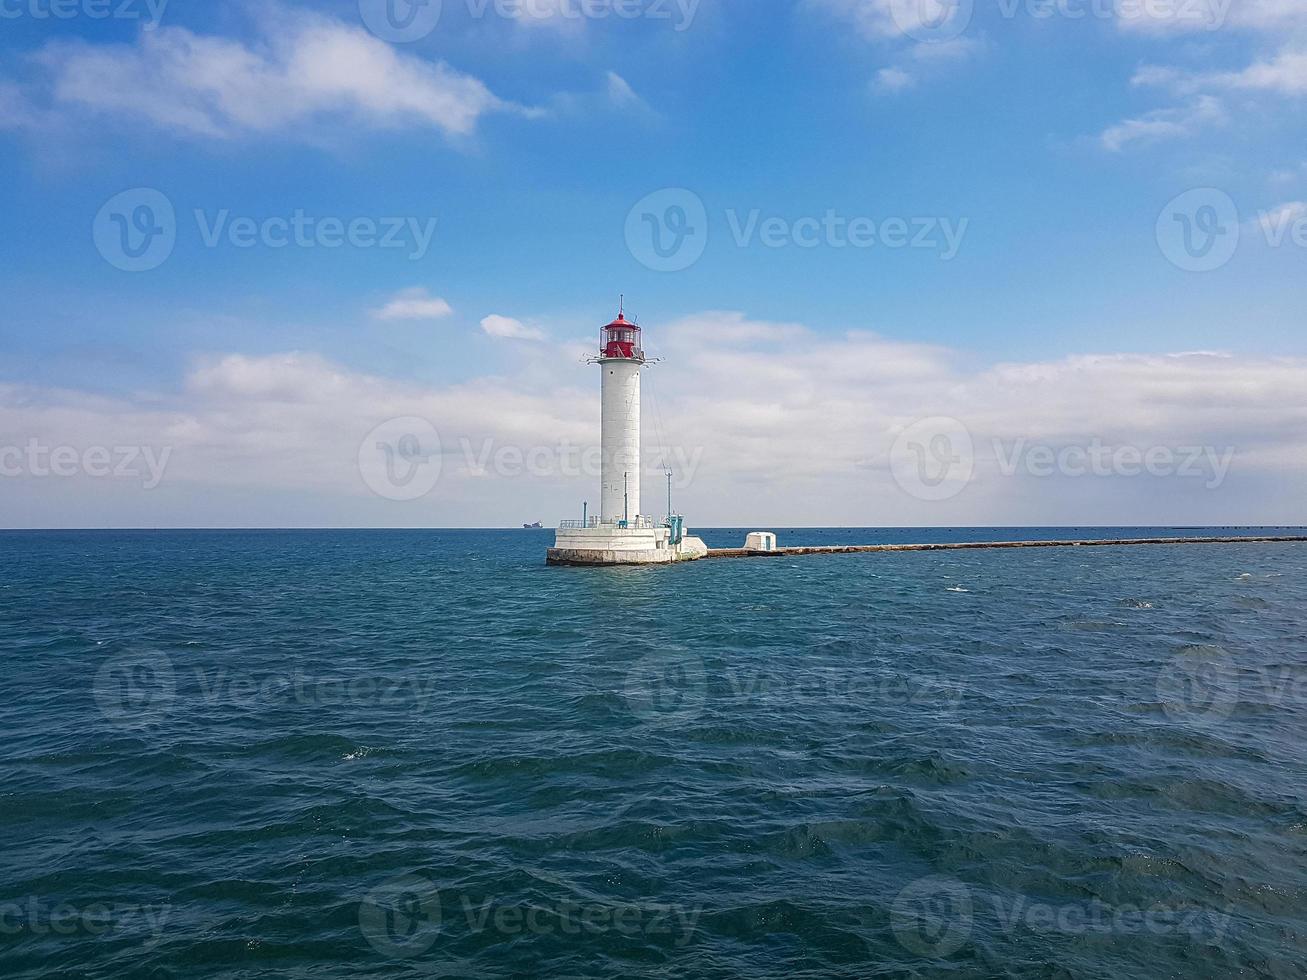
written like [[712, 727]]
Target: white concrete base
[[611, 545]]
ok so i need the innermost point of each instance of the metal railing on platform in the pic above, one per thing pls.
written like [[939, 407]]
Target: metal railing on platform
[[634, 524]]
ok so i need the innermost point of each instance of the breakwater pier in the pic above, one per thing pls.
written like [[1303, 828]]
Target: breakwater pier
[[974, 545]]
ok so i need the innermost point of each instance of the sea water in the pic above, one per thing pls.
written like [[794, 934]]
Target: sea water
[[424, 753]]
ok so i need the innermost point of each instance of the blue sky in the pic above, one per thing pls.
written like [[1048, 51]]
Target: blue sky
[[1049, 144]]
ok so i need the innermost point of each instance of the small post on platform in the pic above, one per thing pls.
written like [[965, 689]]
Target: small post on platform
[[585, 513], [626, 499], [669, 496]]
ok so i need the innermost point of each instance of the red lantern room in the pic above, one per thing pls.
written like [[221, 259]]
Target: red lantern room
[[621, 340]]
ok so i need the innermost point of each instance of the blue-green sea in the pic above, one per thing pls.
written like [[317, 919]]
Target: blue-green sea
[[342, 754]]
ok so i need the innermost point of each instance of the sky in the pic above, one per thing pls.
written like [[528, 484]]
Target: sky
[[902, 262]]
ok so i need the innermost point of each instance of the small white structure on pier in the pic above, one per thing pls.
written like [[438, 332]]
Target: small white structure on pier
[[621, 534], [760, 541]]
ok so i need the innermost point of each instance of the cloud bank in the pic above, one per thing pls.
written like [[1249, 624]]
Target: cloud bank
[[764, 423]]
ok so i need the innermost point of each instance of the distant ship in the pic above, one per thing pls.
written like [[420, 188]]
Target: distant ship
[[532, 527]]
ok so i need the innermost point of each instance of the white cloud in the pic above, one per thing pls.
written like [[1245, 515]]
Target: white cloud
[[1289, 175], [1161, 124], [15, 113], [893, 80], [507, 327], [881, 19], [413, 304], [307, 69], [620, 92], [928, 33], [559, 14], [789, 426], [1284, 73]]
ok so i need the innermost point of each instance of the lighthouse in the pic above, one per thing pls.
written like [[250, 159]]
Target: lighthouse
[[621, 534], [621, 359]]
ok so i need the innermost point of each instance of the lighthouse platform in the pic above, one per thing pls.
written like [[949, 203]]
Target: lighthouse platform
[[636, 542]]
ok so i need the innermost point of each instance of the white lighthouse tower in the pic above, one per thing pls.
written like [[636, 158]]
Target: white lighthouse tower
[[621, 534], [621, 358]]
